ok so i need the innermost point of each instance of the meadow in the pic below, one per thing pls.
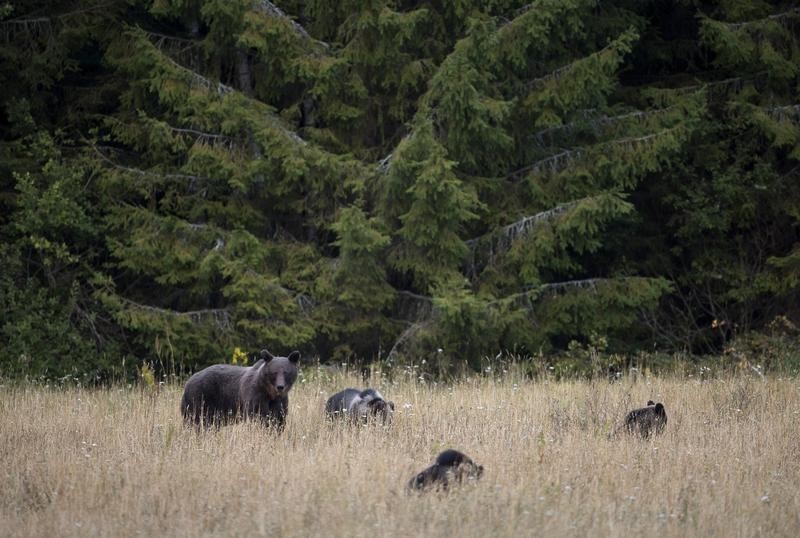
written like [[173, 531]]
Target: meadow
[[119, 462]]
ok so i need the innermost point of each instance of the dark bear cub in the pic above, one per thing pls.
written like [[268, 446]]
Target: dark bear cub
[[451, 466], [223, 392], [360, 406], [652, 418]]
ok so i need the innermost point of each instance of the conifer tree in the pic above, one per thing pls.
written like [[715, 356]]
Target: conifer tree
[[385, 178], [733, 230], [568, 199]]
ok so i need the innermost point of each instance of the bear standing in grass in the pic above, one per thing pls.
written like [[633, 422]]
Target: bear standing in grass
[[224, 392], [643, 421]]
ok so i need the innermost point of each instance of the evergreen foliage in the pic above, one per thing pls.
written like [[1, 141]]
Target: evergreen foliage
[[390, 179]]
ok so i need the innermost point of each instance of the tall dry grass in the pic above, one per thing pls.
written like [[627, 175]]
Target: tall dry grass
[[118, 462]]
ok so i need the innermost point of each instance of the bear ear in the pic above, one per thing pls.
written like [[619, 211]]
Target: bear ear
[[659, 408], [294, 356], [266, 355], [651, 402]]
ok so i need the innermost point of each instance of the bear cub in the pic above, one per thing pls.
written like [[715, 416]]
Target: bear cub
[[360, 406], [222, 393], [652, 418], [451, 466]]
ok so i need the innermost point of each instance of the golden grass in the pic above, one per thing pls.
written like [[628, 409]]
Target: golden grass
[[118, 462]]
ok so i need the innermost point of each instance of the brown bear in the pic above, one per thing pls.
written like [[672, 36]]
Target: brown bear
[[451, 466], [360, 406], [223, 392], [653, 418]]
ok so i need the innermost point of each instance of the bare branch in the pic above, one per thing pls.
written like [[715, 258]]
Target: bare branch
[[220, 316], [176, 47], [554, 288], [34, 28], [737, 25], [511, 232], [596, 121], [551, 164], [499, 241], [556, 163], [523, 10], [413, 307], [383, 164], [633, 141], [199, 80], [736, 82], [209, 139], [304, 302], [784, 113], [540, 82], [268, 8], [222, 90], [560, 287], [192, 179], [404, 336]]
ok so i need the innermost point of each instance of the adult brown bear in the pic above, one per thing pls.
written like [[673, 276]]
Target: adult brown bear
[[223, 392]]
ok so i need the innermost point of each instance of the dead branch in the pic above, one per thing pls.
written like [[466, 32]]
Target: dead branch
[[193, 180], [540, 82], [383, 164], [175, 47], [784, 113], [221, 316], [34, 28], [271, 10], [499, 241], [775, 17], [209, 139], [511, 232], [404, 336], [413, 307], [199, 80], [596, 122], [551, 164]]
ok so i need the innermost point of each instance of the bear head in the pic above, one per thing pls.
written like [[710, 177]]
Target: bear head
[[461, 464], [278, 373]]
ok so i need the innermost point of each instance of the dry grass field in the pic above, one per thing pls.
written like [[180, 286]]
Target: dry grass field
[[118, 462]]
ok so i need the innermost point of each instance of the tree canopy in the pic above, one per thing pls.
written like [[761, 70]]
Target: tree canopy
[[379, 179]]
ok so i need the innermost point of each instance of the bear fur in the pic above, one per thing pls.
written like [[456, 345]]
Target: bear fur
[[643, 421], [451, 466], [360, 406], [222, 393]]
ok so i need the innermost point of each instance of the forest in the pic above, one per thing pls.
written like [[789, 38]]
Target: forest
[[378, 180]]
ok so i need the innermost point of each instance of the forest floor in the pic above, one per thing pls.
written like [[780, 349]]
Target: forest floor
[[119, 462]]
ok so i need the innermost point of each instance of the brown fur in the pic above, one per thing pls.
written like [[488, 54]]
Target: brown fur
[[360, 406], [643, 421], [222, 392], [451, 467]]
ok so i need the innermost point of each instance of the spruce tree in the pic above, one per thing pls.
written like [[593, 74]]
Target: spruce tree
[[383, 178]]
